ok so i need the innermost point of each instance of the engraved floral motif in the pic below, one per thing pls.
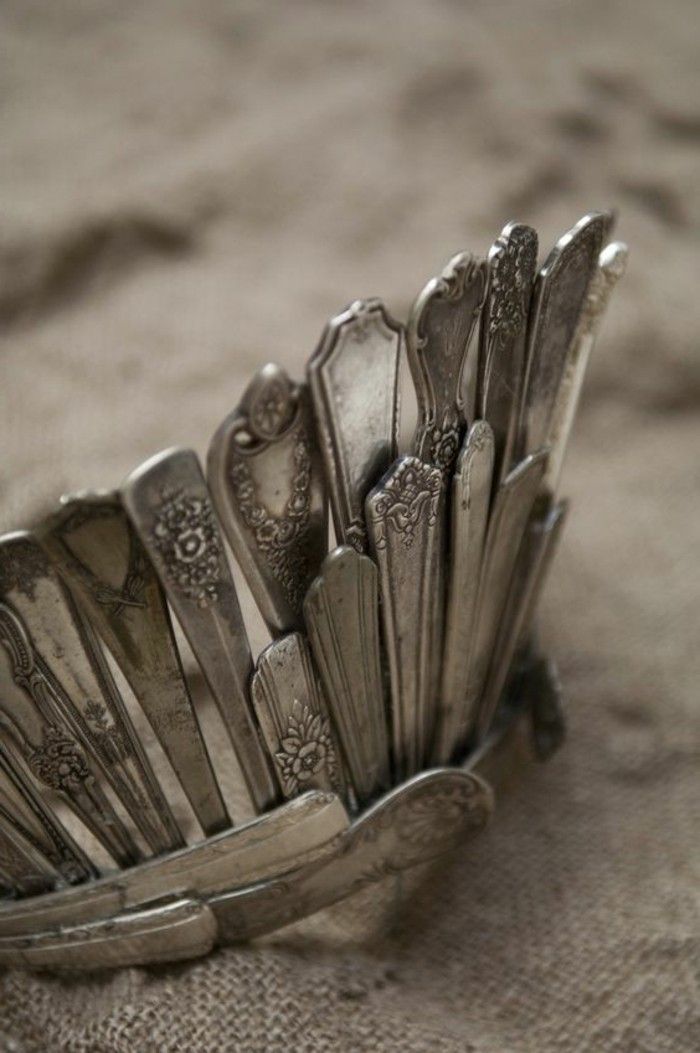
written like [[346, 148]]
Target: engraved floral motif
[[411, 496], [281, 538], [306, 749], [186, 536], [442, 441], [21, 565], [59, 762], [511, 275]]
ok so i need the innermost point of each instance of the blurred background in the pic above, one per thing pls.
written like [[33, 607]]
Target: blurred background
[[188, 190]]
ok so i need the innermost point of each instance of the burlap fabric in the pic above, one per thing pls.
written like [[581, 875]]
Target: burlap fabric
[[189, 190]]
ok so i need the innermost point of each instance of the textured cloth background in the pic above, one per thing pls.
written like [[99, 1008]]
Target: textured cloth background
[[188, 190]]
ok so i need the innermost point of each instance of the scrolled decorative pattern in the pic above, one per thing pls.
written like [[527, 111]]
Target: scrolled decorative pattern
[[281, 537], [411, 496], [59, 762]]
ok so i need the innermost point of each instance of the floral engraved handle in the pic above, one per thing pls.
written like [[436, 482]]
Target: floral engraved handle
[[58, 761], [266, 479], [186, 536], [440, 329], [294, 719], [307, 750]]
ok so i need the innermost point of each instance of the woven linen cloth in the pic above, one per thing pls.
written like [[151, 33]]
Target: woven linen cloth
[[188, 191]]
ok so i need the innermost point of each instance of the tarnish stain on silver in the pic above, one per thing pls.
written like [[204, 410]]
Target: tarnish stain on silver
[[266, 478], [611, 267], [405, 520], [511, 510], [421, 820], [22, 806], [93, 707], [558, 300], [440, 328], [100, 556], [471, 498], [531, 569], [294, 719], [512, 264], [353, 376], [168, 503], [341, 612]]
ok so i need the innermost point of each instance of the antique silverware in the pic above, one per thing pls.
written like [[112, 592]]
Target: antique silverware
[[23, 809], [471, 501], [440, 328], [611, 266], [342, 619], [22, 866], [98, 553], [405, 520], [168, 502], [512, 263], [266, 478], [294, 719], [537, 550], [512, 506], [353, 375], [33, 711], [182, 928], [296, 834], [412, 642], [82, 683], [421, 820], [558, 300]]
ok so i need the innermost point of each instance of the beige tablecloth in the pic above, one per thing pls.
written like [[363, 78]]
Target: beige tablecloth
[[188, 190]]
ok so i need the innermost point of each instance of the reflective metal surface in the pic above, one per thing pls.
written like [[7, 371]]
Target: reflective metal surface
[[558, 300], [353, 375], [512, 264], [294, 719], [440, 328], [342, 618], [24, 810], [472, 484], [405, 524], [511, 509], [91, 705], [611, 267], [266, 477], [98, 553], [295, 834], [412, 643], [419, 821], [168, 502], [167, 933], [534, 559]]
